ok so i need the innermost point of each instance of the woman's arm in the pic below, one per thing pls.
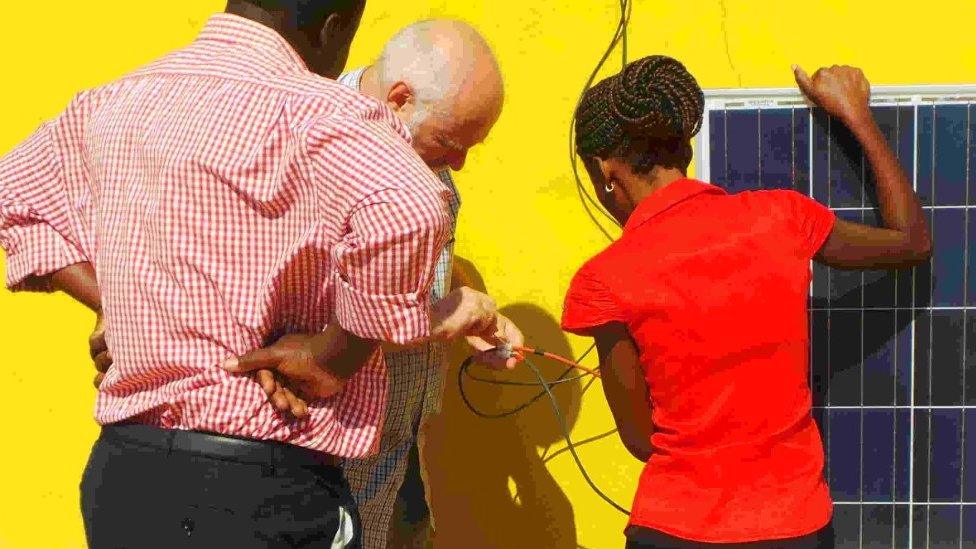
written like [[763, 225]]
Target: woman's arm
[[625, 388], [904, 240]]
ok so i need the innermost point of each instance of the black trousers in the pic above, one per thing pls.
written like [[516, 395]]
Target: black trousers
[[646, 538], [150, 488]]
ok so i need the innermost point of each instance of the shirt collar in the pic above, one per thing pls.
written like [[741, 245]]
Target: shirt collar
[[353, 78], [664, 199], [264, 41]]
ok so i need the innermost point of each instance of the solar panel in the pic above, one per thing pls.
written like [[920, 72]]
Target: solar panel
[[893, 354]]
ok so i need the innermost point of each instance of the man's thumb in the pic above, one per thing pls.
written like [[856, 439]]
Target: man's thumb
[[260, 359]]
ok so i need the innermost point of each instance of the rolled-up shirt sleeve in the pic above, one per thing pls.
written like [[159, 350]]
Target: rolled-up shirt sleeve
[[397, 227], [385, 266], [34, 223]]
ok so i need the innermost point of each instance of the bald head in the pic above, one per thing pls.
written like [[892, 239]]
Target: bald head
[[440, 75], [440, 59]]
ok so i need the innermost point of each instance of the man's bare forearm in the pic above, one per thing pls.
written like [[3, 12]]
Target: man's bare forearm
[[341, 352], [79, 282]]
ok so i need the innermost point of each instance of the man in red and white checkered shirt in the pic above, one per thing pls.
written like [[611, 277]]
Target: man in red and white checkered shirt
[[225, 195]]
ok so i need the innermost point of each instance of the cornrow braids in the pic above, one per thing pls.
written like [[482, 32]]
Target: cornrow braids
[[646, 114]]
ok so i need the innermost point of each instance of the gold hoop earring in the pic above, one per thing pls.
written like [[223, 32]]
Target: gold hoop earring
[[608, 187]]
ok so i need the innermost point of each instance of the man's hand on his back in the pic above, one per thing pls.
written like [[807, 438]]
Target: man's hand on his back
[[299, 377], [98, 350]]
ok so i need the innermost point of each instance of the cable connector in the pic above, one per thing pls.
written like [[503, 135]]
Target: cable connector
[[505, 351]]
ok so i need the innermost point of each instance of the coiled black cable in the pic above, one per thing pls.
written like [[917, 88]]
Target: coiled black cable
[[619, 37]]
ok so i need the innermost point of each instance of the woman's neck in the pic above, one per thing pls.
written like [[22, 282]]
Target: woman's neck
[[653, 182]]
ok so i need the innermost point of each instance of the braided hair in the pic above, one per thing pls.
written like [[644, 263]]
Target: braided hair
[[646, 115]]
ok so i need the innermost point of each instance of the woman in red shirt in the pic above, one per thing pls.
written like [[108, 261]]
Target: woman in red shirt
[[699, 310]]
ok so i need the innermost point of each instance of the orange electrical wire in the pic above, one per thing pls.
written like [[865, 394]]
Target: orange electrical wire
[[519, 352]]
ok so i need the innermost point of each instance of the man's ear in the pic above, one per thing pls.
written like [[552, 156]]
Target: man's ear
[[331, 29], [399, 96]]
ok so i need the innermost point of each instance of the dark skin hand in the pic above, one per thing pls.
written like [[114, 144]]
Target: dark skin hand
[[904, 240], [99, 350], [298, 368]]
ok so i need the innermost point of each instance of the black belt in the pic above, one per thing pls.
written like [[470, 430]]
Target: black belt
[[221, 446]]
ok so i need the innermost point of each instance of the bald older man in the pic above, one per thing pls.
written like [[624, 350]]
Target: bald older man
[[441, 78]]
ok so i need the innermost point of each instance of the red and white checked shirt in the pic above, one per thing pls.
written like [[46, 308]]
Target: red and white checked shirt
[[225, 195]]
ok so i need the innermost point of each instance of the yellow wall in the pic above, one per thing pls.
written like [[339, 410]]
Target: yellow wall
[[522, 226]]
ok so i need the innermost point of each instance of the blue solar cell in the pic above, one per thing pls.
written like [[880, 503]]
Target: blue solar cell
[[900, 535], [948, 258], [951, 129], [920, 526], [879, 358], [926, 141], [969, 458], [903, 454], [847, 526], [945, 464], [944, 526], [845, 454], [906, 140], [880, 289], [846, 168], [879, 455], [947, 358], [845, 358], [972, 155], [903, 358], [776, 146], [716, 143], [903, 290], [970, 359], [820, 368], [920, 357], [820, 298], [742, 144], [877, 524], [801, 146], [969, 525], [887, 118], [971, 252], [921, 453], [922, 282], [820, 177]]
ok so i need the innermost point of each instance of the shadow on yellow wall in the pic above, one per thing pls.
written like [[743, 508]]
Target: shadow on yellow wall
[[488, 483]]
